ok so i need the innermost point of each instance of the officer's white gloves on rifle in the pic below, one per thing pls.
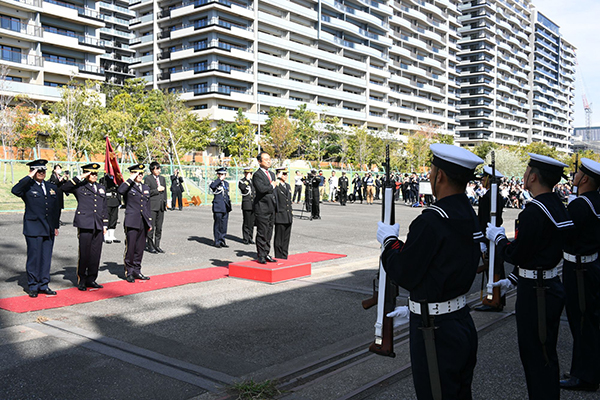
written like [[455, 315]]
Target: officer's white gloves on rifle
[[385, 231], [504, 284], [494, 232], [400, 315]]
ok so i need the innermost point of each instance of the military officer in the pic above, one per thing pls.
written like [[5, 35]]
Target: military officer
[[437, 265], [312, 194], [248, 194], [221, 207], [158, 201], [176, 190], [58, 179], [535, 252], [40, 225], [343, 185], [113, 202], [283, 214], [91, 221], [264, 183], [138, 221], [581, 277]]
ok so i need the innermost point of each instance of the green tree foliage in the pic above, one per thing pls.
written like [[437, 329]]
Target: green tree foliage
[[236, 138], [361, 147], [483, 149], [539, 148], [280, 140], [508, 162], [29, 123], [304, 129]]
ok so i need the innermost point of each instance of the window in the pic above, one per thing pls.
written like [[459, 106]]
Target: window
[[200, 107], [51, 84], [12, 23], [222, 107], [11, 53]]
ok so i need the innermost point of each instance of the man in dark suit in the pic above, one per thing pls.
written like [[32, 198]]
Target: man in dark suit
[[40, 225], [91, 221], [221, 207], [283, 214], [176, 190], [264, 206], [248, 194], [113, 202], [158, 202], [343, 186], [138, 221], [58, 179]]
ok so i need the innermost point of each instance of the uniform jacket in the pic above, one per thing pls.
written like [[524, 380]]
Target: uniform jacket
[[137, 204], [343, 183], [41, 211], [92, 211], [61, 197], [283, 196], [158, 200], [113, 198], [264, 202], [248, 194], [176, 182], [584, 211], [221, 202]]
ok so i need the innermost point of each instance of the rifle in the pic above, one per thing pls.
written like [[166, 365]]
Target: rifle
[[574, 190], [386, 291], [493, 298]]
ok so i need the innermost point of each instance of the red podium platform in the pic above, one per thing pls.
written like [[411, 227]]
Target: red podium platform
[[296, 266]]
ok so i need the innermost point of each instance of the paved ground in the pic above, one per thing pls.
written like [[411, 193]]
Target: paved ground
[[183, 342]]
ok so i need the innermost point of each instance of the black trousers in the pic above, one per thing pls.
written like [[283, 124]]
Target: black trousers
[[135, 239], [456, 348], [585, 363], [156, 233], [359, 192], [39, 258], [220, 221], [113, 217], [264, 233], [315, 211], [176, 196], [281, 243], [248, 225], [297, 192], [343, 196], [542, 377], [90, 250]]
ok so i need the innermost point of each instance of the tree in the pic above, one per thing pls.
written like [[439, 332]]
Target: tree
[[360, 146], [508, 162], [304, 128], [28, 125], [280, 140], [539, 148], [236, 138], [483, 149]]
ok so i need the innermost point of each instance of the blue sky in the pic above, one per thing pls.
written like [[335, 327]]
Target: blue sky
[[578, 21]]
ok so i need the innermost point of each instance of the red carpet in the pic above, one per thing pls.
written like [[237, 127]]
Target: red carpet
[[69, 297]]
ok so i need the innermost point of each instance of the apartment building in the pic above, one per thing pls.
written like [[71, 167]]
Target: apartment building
[[386, 66], [45, 43], [116, 37]]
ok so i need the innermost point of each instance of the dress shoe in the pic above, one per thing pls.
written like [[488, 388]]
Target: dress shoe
[[261, 261], [116, 241], [142, 277], [160, 250], [246, 242], [151, 250], [270, 259], [130, 279], [32, 293], [81, 287], [108, 241], [224, 245], [577, 384], [95, 285], [48, 291], [486, 308], [252, 241], [218, 246]]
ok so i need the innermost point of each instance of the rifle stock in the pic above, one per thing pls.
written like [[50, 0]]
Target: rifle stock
[[493, 298]]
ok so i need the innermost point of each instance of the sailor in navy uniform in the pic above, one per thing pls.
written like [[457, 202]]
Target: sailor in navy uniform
[[221, 207], [581, 277], [248, 194], [536, 251], [437, 265], [40, 225], [91, 221], [138, 221], [283, 214]]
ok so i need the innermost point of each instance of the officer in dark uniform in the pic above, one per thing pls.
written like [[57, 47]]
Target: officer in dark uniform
[[283, 214], [40, 225], [581, 277], [113, 202], [248, 194], [537, 249], [176, 190], [437, 265], [58, 179], [343, 187], [357, 182], [311, 196], [221, 207], [158, 201], [91, 221], [264, 184], [138, 221]]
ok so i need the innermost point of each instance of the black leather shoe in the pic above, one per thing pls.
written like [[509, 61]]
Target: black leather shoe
[[151, 250], [95, 285], [130, 279], [48, 291], [218, 246], [116, 241], [486, 308], [160, 250], [246, 242], [81, 287], [252, 241], [142, 277], [224, 245], [261, 261], [108, 241], [32, 293], [577, 384], [270, 259]]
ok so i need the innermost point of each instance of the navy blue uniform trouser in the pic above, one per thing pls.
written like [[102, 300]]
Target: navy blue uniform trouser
[[542, 377], [90, 250], [585, 363], [264, 233], [135, 241], [281, 243], [39, 258], [248, 225], [456, 347], [220, 227]]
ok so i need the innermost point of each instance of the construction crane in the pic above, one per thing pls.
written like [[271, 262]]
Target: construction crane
[[587, 108]]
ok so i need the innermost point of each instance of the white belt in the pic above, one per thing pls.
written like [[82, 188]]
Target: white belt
[[584, 259], [532, 274], [444, 307]]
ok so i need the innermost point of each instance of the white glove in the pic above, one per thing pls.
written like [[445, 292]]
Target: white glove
[[400, 315], [571, 198], [504, 284], [483, 247], [493, 232], [384, 231]]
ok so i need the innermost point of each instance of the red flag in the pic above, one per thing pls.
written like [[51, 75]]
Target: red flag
[[111, 165]]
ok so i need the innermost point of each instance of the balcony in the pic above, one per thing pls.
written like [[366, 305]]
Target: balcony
[[16, 57], [15, 25]]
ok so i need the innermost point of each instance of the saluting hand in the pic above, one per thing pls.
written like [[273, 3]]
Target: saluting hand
[[85, 175], [133, 176]]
